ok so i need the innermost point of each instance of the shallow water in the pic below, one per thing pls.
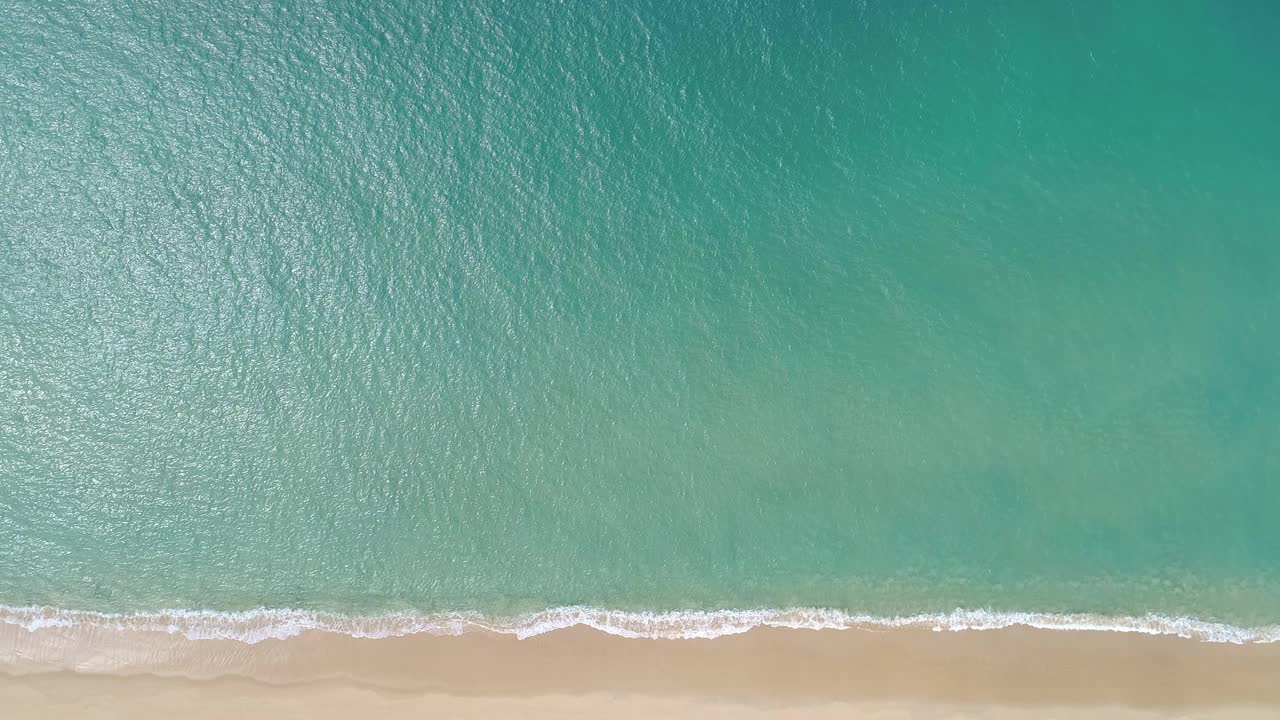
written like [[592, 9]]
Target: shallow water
[[430, 306]]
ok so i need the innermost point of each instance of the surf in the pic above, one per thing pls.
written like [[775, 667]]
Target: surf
[[262, 624]]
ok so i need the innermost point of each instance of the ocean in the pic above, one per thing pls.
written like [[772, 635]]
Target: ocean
[[672, 318]]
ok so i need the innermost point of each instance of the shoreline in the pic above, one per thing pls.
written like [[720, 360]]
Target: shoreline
[[252, 626], [764, 669]]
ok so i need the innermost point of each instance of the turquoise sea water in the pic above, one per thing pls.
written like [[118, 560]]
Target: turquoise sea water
[[885, 307]]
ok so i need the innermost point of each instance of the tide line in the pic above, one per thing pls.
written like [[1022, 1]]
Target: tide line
[[252, 626]]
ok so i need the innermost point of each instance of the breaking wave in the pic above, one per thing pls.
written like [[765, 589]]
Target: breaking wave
[[254, 626]]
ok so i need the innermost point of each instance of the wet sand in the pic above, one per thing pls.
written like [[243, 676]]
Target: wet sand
[[579, 672]]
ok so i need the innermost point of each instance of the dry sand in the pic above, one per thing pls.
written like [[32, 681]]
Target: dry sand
[[583, 673]]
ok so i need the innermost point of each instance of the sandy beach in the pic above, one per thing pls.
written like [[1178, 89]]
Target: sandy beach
[[579, 672]]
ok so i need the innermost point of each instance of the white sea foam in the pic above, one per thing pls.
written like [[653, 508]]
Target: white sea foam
[[253, 626]]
